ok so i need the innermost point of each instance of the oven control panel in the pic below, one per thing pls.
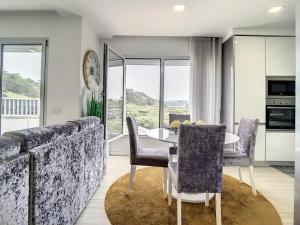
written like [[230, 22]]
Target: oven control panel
[[274, 101]]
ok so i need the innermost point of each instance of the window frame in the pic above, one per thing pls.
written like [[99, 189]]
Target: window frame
[[107, 49], [29, 41], [162, 81]]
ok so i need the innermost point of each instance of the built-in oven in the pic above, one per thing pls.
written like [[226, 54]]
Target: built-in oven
[[280, 114], [280, 87]]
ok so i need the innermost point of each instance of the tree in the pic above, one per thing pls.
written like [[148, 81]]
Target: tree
[[15, 83], [139, 98]]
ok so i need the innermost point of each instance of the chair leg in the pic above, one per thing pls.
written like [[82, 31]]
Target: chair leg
[[165, 170], [240, 174], [206, 199], [131, 177], [251, 174], [178, 209], [169, 190], [218, 209]]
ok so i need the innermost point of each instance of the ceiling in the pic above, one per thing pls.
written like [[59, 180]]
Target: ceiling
[[157, 18]]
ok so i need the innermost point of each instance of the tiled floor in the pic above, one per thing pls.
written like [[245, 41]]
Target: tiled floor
[[274, 185]]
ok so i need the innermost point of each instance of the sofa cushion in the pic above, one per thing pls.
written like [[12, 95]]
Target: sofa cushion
[[32, 137], [9, 147], [64, 130], [87, 122], [14, 190]]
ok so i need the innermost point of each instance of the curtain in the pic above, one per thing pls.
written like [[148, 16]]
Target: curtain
[[205, 79]]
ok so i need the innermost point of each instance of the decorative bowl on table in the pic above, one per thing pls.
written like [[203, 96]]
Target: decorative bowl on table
[[175, 124]]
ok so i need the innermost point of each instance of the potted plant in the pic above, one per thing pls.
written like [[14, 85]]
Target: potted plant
[[94, 106]]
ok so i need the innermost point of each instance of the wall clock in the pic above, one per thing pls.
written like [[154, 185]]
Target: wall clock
[[91, 69]]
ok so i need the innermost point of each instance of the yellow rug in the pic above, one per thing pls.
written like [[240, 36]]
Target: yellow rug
[[145, 205]]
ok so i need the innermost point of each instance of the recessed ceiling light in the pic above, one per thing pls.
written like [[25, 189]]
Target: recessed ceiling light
[[31, 50], [179, 7], [275, 9]]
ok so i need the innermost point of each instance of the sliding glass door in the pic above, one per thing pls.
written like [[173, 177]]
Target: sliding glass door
[[155, 88], [22, 79], [142, 92]]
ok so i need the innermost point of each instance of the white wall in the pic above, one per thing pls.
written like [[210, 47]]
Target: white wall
[[64, 35], [131, 46], [297, 153], [89, 41]]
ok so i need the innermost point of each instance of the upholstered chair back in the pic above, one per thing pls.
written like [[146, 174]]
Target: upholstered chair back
[[180, 117], [247, 133], [133, 137], [200, 158]]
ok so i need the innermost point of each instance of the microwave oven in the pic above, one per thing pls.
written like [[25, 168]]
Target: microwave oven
[[280, 87]]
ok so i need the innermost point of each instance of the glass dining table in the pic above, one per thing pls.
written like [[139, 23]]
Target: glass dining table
[[165, 135], [171, 137]]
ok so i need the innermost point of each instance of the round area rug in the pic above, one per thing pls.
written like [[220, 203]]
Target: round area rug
[[146, 204]]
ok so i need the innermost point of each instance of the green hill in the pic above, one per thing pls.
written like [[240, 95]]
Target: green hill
[[14, 85], [139, 98]]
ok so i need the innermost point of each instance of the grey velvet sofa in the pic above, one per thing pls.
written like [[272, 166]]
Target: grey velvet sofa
[[63, 166], [14, 183]]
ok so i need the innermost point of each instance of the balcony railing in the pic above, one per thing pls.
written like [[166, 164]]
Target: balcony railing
[[20, 107]]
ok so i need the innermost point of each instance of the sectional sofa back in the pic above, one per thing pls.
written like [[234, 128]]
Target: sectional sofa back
[[67, 163], [14, 183], [65, 174]]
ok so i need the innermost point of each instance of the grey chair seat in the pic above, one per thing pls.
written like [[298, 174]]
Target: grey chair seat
[[152, 157], [231, 153], [233, 157]]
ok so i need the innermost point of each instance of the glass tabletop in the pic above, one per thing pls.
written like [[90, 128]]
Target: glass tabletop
[[169, 136]]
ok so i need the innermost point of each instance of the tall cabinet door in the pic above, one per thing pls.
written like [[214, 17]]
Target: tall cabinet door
[[280, 56], [250, 86], [250, 81]]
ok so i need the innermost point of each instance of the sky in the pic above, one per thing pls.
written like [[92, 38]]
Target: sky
[[146, 78], [28, 64]]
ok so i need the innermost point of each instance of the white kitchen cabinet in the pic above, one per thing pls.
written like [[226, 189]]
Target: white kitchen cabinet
[[250, 79], [260, 145], [280, 146], [280, 56]]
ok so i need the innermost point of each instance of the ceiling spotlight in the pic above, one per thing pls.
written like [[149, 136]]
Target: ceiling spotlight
[[179, 8], [275, 9]]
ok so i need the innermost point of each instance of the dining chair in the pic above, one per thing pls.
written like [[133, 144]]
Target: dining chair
[[181, 118], [157, 157], [243, 151], [199, 165]]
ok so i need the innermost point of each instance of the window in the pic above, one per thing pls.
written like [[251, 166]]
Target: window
[[143, 88], [115, 95], [143, 91], [176, 88], [22, 86]]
